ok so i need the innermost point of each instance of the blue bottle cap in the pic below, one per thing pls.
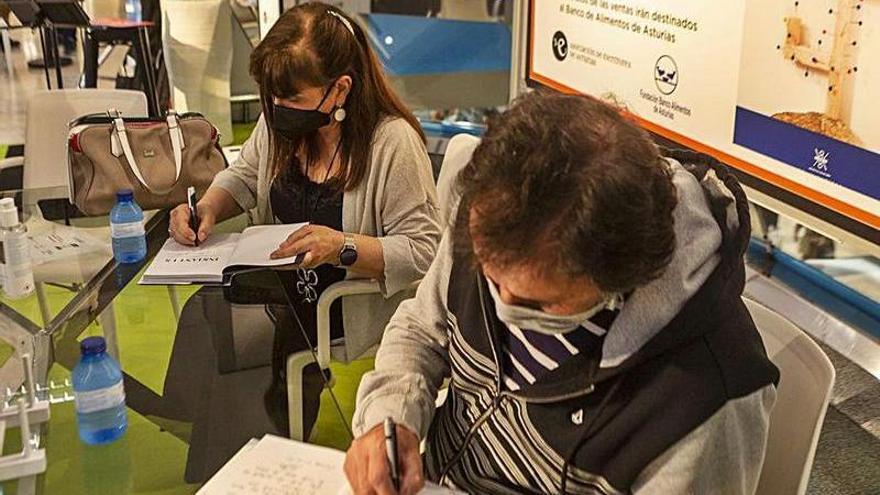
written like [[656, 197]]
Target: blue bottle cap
[[124, 195], [92, 345]]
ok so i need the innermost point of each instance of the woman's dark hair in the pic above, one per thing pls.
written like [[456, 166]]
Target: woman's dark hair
[[310, 47], [566, 183]]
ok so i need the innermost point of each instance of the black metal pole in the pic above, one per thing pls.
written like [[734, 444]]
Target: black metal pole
[[57, 55], [45, 57]]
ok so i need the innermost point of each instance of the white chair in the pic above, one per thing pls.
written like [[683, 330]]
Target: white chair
[[7, 47], [48, 115], [465, 10], [242, 87], [45, 174], [326, 351], [111, 57], [197, 44], [458, 154], [805, 385]]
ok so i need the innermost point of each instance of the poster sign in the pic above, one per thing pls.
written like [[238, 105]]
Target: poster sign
[[787, 92]]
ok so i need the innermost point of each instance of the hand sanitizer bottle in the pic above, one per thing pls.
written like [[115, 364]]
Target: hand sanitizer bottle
[[15, 254]]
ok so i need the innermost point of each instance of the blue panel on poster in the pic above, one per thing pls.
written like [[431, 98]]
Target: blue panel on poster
[[850, 166], [409, 45]]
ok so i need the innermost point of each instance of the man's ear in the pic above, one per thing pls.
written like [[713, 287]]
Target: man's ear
[[343, 88]]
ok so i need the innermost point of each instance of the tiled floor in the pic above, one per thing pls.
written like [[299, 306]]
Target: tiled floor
[[848, 456], [15, 91], [841, 466], [847, 460]]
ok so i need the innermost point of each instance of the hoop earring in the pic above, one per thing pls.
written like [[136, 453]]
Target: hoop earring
[[339, 115]]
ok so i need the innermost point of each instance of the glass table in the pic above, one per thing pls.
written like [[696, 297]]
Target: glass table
[[196, 366]]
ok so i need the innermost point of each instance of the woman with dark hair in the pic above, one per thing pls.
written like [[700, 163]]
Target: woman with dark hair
[[336, 148]]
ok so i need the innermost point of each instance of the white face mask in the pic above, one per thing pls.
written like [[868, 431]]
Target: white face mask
[[536, 320]]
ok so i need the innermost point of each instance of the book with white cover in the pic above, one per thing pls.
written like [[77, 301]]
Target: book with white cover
[[218, 256], [280, 466]]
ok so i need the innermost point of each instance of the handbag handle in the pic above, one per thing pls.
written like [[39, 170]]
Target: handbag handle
[[120, 136]]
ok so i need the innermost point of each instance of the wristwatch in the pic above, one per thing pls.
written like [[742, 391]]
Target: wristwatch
[[349, 254]]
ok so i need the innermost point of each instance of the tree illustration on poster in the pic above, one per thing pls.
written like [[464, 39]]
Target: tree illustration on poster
[[837, 63], [819, 125], [784, 91]]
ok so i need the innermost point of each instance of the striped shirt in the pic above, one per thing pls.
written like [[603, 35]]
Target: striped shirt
[[529, 355]]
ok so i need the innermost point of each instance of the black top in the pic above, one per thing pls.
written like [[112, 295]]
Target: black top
[[295, 198]]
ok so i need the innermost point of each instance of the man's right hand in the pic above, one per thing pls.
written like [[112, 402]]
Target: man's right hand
[[366, 463], [179, 225]]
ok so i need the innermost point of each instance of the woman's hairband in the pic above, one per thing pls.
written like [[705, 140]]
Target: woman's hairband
[[343, 20]]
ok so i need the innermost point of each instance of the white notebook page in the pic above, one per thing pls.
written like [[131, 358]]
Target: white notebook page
[[257, 243], [280, 466], [204, 262]]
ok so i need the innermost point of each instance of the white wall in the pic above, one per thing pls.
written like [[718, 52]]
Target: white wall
[[770, 84], [865, 117]]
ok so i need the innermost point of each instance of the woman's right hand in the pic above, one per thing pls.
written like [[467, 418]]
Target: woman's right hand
[[179, 225]]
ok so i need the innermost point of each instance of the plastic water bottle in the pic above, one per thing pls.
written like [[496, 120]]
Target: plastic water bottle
[[15, 255], [133, 10], [98, 394], [127, 229]]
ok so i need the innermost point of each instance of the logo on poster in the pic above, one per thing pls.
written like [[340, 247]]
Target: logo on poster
[[820, 162], [666, 75], [560, 46]]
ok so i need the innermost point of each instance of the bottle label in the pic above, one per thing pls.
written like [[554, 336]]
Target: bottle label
[[97, 400], [129, 229], [16, 252], [18, 276]]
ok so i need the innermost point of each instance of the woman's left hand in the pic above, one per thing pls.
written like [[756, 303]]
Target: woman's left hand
[[319, 243]]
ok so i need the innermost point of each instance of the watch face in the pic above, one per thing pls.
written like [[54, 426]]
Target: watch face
[[347, 257]]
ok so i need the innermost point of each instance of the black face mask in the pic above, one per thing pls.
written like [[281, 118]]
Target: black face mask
[[294, 123]]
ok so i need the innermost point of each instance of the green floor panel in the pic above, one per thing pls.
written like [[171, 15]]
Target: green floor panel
[[29, 307], [147, 460], [6, 352], [145, 328], [144, 461], [240, 132], [329, 430]]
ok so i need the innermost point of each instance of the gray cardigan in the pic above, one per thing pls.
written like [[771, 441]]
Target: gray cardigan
[[395, 202]]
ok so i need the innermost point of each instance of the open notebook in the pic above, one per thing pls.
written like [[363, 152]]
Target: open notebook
[[220, 255], [279, 466]]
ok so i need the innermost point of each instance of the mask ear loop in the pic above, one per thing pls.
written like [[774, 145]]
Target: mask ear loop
[[339, 113], [324, 98]]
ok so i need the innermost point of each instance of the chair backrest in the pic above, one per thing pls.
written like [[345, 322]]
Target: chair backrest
[[458, 153], [805, 384], [49, 112], [112, 9], [198, 59], [465, 10]]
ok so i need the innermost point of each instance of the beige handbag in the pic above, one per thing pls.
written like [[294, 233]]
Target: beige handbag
[[158, 159]]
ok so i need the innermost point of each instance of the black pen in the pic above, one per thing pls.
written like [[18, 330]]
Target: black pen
[[193, 211], [391, 449]]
